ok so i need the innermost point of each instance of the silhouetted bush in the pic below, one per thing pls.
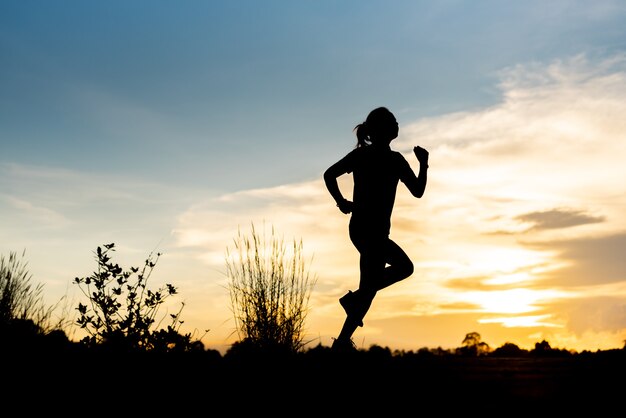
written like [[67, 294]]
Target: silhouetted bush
[[247, 349], [121, 312]]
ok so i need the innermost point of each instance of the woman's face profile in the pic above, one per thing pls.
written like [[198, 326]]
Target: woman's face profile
[[389, 127]]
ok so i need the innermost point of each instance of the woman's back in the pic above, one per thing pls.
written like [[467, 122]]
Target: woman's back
[[376, 173]]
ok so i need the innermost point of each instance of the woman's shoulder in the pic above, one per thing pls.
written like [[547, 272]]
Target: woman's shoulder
[[398, 160], [397, 155], [358, 151]]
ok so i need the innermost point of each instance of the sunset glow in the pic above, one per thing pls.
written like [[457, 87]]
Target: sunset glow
[[175, 139]]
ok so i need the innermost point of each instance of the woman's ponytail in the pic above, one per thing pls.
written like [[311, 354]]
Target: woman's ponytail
[[362, 135], [370, 130]]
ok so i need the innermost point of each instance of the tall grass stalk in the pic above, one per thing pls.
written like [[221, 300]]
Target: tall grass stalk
[[23, 300], [269, 286]]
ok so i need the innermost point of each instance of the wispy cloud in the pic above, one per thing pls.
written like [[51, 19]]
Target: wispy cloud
[[588, 260], [33, 214], [558, 218], [61, 215]]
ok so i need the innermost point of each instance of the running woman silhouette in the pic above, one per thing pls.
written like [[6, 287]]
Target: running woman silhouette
[[376, 171]]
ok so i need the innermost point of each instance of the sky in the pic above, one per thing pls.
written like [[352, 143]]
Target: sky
[[168, 126]]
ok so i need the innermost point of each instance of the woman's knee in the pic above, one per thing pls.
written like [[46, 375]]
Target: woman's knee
[[407, 268]]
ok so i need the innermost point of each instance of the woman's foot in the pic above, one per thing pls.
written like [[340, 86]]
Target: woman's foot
[[344, 345], [350, 303]]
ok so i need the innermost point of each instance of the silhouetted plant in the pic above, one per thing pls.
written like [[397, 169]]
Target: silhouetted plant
[[269, 290], [122, 311], [22, 301]]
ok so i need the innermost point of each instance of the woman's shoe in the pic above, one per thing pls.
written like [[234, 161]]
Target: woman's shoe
[[350, 304], [344, 345]]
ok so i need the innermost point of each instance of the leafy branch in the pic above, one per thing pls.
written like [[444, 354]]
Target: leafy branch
[[122, 311]]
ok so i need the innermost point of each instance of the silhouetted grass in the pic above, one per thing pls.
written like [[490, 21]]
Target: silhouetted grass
[[269, 287], [23, 309]]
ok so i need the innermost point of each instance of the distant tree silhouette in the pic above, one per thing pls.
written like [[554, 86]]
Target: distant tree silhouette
[[269, 286], [379, 351], [543, 349], [509, 350], [473, 346], [440, 351]]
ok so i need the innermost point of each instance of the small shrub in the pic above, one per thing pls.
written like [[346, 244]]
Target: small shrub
[[122, 311]]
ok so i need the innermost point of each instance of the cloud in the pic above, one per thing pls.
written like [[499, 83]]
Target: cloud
[[597, 314], [301, 211], [587, 261], [558, 218], [29, 213], [61, 215]]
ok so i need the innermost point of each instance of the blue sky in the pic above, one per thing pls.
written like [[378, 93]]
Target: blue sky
[[263, 91], [135, 121]]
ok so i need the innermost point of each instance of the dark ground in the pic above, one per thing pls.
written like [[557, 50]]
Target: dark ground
[[318, 383]]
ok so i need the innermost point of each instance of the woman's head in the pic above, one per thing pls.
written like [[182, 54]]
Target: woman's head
[[380, 126]]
